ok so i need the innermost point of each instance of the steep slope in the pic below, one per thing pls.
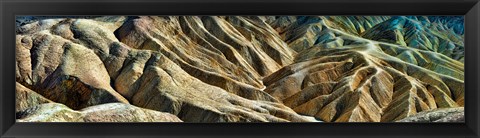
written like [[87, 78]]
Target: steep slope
[[345, 78], [301, 32], [231, 53], [26, 98], [200, 72], [237, 68], [420, 33]]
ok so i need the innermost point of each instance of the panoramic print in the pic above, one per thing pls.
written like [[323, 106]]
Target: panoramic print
[[240, 69]]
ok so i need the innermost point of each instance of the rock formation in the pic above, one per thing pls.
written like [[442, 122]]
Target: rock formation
[[26, 98], [438, 115], [111, 112], [337, 76], [237, 68]]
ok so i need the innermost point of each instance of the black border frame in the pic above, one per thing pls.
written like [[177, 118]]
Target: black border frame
[[10, 8]]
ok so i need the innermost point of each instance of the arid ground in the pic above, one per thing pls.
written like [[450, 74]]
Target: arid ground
[[240, 69]]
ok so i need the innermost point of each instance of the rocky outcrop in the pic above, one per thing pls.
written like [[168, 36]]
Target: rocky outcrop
[[438, 115], [179, 65], [26, 98], [49, 112], [119, 112], [344, 78], [162, 87], [350, 85], [218, 55], [237, 68], [61, 70], [420, 33], [302, 32], [431, 33], [111, 112]]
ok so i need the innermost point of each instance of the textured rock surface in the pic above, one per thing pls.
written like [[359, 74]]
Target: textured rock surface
[[49, 112], [60, 69], [201, 73], [119, 112], [26, 98], [339, 76], [438, 115], [238, 68], [420, 33], [110, 112]]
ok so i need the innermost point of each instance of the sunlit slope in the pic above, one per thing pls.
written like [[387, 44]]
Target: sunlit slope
[[238, 68], [338, 76]]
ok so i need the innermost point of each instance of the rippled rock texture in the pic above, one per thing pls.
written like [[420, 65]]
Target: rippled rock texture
[[438, 115], [237, 68]]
